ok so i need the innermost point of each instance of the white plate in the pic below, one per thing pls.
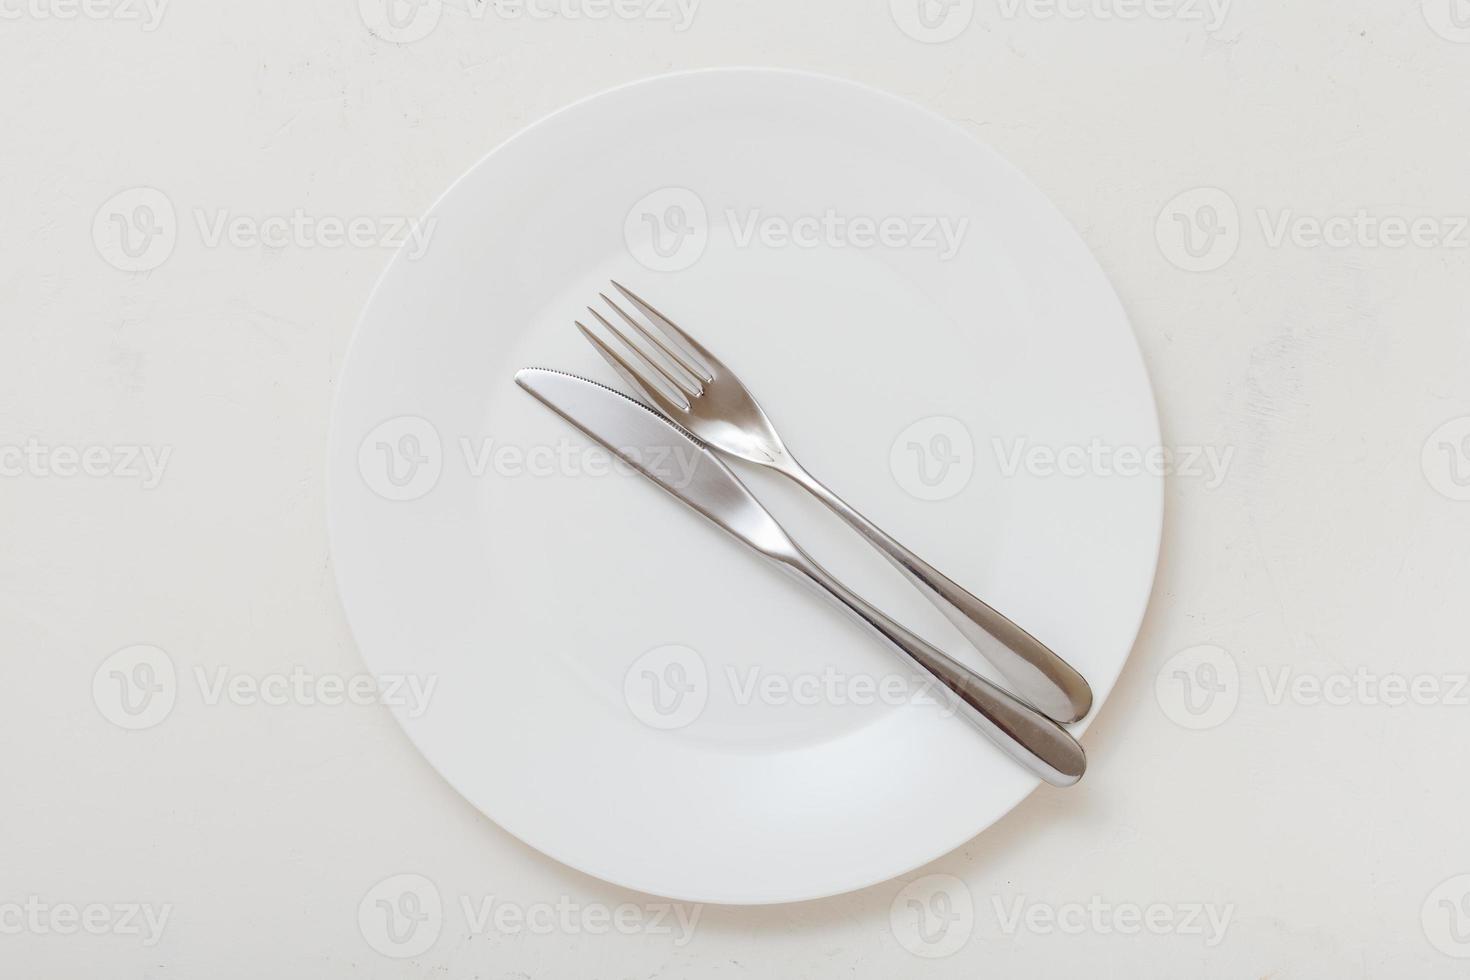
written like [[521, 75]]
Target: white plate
[[552, 604]]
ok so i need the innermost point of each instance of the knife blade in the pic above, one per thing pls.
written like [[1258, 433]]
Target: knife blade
[[680, 464], [661, 450]]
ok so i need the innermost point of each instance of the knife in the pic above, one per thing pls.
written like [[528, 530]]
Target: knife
[[675, 460]]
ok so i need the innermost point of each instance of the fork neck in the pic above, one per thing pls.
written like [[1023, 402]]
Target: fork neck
[[787, 465]]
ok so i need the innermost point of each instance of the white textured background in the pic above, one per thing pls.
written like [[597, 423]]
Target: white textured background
[[1331, 834]]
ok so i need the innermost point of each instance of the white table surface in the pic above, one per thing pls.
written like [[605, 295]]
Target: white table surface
[[1324, 832]]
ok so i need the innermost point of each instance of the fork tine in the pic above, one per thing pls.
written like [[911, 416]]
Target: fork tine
[[666, 401], [687, 368], [674, 373], [701, 361], [660, 371]]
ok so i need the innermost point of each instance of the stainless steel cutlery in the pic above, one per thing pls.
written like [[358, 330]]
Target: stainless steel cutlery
[[694, 388], [666, 453], [699, 408]]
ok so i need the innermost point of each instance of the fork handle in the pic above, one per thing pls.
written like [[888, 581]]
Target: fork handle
[[1037, 674], [1025, 734]]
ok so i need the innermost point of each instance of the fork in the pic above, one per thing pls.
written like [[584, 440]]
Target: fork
[[695, 389]]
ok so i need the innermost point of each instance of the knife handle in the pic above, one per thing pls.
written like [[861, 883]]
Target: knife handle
[[1027, 735], [1035, 672]]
